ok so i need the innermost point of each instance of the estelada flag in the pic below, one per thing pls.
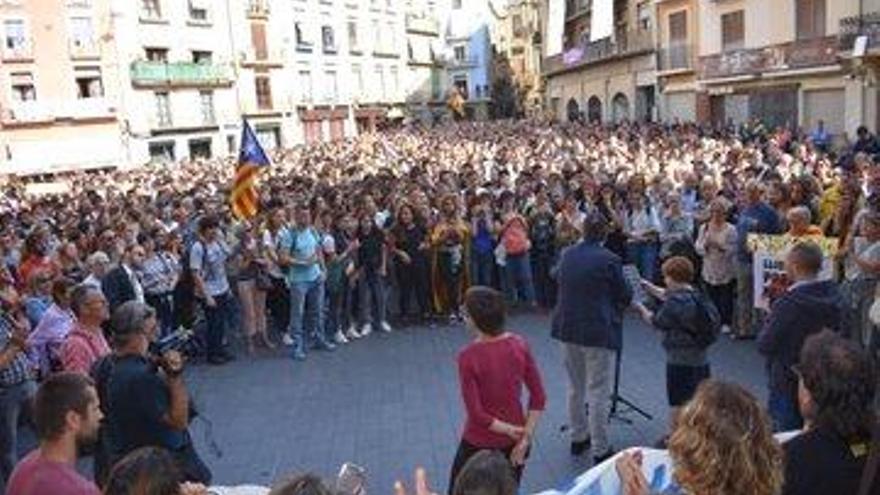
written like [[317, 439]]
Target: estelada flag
[[251, 157]]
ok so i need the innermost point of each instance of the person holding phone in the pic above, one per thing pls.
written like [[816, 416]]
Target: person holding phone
[[492, 371]]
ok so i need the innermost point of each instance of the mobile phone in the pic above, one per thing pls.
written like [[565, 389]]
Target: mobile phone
[[352, 479]]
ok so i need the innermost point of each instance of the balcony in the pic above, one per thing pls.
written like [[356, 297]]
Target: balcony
[[21, 52], [851, 28], [796, 55], [626, 44], [675, 58], [258, 9], [422, 25], [462, 63], [84, 50], [43, 112], [178, 74]]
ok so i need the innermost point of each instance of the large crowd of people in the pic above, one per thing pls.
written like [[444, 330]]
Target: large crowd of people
[[390, 230]]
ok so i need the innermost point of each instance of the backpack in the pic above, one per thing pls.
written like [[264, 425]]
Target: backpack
[[515, 240], [708, 322]]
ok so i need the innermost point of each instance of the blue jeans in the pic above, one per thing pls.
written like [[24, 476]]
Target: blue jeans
[[784, 412], [644, 256], [306, 313], [482, 268], [371, 291], [219, 317], [518, 271], [14, 403]]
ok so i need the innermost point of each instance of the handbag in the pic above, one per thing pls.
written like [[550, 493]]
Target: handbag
[[264, 280]]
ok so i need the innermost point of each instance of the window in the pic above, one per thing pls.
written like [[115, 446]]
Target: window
[[358, 77], [678, 27], [264, 93], [380, 78], [150, 9], [353, 37], [517, 25], [161, 151], [23, 88], [163, 109], [394, 83], [81, 32], [200, 148], [258, 41], [206, 103], [157, 54], [202, 57], [377, 36], [460, 53], [456, 4], [302, 43], [327, 40], [810, 19], [732, 30], [643, 15], [88, 83], [198, 10], [390, 41], [14, 37], [461, 85], [330, 87], [305, 78]]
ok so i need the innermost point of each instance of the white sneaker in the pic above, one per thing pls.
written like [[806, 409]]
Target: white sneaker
[[385, 327], [287, 340], [339, 338], [725, 329], [352, 333], [367, 329]]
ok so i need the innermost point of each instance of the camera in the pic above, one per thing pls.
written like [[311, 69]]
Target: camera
[[174, 341]]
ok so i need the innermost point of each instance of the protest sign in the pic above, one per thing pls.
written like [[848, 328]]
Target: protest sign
[[769, 253]]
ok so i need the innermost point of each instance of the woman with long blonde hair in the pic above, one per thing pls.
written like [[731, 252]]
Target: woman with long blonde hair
[[722, 444]]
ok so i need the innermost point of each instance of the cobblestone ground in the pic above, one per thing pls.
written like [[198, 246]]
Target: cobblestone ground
[[390, 403]]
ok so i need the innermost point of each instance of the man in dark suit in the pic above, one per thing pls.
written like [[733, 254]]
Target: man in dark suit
[[588, 320], [121, 284], [807, 307]]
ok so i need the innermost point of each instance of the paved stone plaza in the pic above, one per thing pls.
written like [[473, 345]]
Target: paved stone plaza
[[391, 403]]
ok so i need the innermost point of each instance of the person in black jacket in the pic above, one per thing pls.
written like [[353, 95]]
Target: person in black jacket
[[684, 316], [588, 319], [121, 284], [837, 387], [807, 307]]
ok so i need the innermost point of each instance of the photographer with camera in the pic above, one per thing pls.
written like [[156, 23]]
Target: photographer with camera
[[144, 396]]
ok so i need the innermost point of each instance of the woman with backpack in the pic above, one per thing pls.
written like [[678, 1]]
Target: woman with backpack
[[689, 322], [514, 239]]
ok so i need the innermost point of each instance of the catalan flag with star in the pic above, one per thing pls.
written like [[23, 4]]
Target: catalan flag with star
[[251, 158]]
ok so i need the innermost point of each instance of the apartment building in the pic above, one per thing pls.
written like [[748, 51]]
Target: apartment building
[[425, 83], [677, 47], [176, 79], [859, 49], [607, 79], [518, 50], [467, 50], [59, 107], [776, 61]]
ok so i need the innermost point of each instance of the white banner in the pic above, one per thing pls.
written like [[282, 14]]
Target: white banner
[[768, 270], [602, 20], [555, 27]]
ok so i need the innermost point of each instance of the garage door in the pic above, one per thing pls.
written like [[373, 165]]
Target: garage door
[[827, 105]]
